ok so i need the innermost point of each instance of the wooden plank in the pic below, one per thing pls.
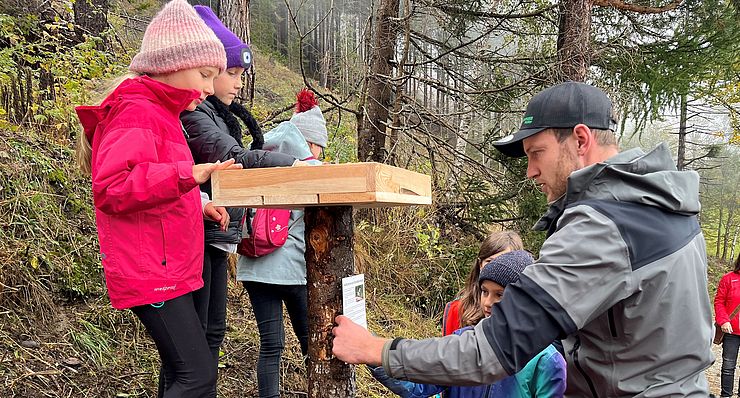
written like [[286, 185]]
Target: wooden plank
[[352, 184], [277, 200]]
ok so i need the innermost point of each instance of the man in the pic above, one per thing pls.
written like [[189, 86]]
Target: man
[[621, 277]]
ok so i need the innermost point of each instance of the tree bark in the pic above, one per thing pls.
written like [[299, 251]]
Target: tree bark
[[235, 15], [372, 121], [329, 258], [91, 18], [574, 40], [681, 156]]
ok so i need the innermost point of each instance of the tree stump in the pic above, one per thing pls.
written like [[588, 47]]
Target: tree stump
[[329, 258]]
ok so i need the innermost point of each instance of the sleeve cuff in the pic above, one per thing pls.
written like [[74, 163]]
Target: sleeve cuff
[[186, 181], [389, 346], [204, 201]]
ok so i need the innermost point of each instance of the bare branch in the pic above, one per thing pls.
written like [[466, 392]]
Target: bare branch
[[621, 5]]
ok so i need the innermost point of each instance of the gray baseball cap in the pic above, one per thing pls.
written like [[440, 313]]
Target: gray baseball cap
[[562, 106]]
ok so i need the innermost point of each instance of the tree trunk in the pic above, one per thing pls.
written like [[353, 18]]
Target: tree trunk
[[371, 130], [91, 18], [574, 39], [719, 225], [731, 206], [329, 258], [681, 157], [235, 15]]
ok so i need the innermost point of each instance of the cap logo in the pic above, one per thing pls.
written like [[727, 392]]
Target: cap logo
[[528, 120], [505, 139], [246, 57]]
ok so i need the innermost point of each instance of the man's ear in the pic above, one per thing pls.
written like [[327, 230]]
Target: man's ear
[[584, 138]]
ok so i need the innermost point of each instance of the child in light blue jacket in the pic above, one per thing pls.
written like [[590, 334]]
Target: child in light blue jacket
[[542, 377], [280, 277]]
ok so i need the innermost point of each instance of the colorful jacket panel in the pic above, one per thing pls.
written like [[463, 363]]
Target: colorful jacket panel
[[147, 208], [542, 377]]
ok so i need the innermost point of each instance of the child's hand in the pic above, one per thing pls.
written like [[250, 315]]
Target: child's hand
[[217, 214], [300, 163], [202, 172]]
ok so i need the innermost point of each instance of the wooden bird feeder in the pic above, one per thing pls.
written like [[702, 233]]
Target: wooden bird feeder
[[328, 193]]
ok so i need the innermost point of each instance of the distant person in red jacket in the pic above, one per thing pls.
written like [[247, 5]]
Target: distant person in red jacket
[[466, 309], [725, 302], [148, 207]]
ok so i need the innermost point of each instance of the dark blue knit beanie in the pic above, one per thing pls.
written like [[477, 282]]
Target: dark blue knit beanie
[[506, 268]]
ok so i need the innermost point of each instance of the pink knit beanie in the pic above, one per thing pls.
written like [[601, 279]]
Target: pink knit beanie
[[177, 39]]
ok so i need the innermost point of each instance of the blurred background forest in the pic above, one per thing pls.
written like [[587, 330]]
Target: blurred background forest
[[426, 85]]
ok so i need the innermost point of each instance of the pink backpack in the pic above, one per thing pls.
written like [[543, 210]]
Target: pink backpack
[[266, 231]]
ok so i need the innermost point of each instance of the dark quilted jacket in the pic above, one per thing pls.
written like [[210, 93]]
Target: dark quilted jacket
[[210, 140]]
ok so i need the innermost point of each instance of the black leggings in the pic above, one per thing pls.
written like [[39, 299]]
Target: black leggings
[[267, 304], [210, 300], [186, 359]]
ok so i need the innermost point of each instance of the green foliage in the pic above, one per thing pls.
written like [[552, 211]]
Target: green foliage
[[44, 206], [93, 341], [690, 51], [39, 57]]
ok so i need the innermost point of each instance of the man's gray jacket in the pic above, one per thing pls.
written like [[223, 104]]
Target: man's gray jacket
[[621, 278]]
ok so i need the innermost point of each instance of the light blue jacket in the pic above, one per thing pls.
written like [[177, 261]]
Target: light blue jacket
[[287, 264]]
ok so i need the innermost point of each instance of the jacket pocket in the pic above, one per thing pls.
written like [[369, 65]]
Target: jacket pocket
[[574, 354], [163, 245], [612, 322]]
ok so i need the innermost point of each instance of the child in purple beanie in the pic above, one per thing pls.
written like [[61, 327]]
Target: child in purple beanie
[[213, 134]]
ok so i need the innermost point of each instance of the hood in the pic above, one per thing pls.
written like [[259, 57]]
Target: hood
[[140, 88], [632, 176], [287, 139]]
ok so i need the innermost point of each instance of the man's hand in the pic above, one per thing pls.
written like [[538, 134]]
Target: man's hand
[[726, 327], [217, 214], [354, 344], [202, 172]]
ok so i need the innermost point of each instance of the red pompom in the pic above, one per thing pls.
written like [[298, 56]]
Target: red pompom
[[305, 101]]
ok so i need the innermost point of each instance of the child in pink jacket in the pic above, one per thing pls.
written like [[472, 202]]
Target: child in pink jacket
[[145, 188]]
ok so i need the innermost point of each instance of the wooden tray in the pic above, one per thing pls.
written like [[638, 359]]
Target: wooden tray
[[351, 184]]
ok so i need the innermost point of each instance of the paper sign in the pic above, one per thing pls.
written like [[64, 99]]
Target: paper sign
[[353, 299]]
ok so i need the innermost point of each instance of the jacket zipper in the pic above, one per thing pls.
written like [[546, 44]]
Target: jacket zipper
[[488, 391], [574, 354], [612, 326]]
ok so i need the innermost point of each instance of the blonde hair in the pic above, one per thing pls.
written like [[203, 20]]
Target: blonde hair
[[496, 242], [83, 149]]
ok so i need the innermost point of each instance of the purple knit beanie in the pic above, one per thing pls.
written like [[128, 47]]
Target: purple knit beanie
[[237, 53], [176, 39], [506, 268]]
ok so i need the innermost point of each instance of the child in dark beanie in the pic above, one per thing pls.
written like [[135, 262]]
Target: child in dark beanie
[[543, 376]]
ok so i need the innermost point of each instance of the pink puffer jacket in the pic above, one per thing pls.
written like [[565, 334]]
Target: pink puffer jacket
[[147, 205]]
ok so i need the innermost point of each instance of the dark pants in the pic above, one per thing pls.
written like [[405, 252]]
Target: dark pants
[[186, 361], [730, 345], [210, 300], [267, 303]]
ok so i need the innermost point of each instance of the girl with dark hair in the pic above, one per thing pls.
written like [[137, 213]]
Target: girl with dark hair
[[466, 310]]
